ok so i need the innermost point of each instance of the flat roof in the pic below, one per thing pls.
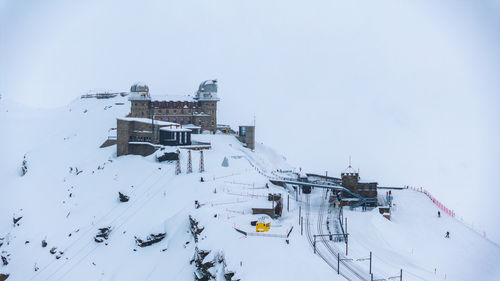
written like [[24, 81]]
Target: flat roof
[[148, 120], [191, 126], [172, 98]]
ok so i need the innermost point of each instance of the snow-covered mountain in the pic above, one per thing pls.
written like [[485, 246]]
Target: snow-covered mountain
[[51, 216]]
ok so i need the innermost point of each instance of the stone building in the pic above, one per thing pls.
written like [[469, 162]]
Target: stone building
[[193, 111], [140, 136], [351, 181]]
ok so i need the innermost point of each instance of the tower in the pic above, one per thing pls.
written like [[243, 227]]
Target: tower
[[350, 177], [202, 164], [140, 101], [178, 167], [190, 166], [207, 102]]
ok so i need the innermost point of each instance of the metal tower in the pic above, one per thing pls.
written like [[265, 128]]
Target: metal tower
[[178, 167], [202, 165], [190, 166]]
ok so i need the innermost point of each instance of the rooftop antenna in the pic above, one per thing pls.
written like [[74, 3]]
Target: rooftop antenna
[[254, 119], [349, 162]]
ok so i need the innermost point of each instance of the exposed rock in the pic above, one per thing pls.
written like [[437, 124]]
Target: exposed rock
[[202, 271], [24, 166], [123, 197], [16, 220], [44, 243], [103, 234], [3, 276], [53, 250], [150, 240], [229, 275], [4, 261], [195, 228]]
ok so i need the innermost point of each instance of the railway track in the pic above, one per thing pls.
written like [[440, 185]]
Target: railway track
[[330, 255], [330, 249], [310, 238]]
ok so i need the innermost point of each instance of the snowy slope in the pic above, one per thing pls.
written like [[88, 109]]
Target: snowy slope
[[66, 208]]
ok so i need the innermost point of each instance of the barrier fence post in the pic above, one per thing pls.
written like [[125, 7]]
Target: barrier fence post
[[401, 275]]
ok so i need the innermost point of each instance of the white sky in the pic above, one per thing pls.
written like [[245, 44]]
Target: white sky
[[409, 89]]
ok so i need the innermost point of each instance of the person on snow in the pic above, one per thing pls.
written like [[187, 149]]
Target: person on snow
[[439, 214], [447, 234]]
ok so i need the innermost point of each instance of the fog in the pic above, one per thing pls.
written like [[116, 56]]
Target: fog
[[408, 89]]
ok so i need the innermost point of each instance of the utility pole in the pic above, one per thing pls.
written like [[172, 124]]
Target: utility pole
[[314, 244], [202, 165], [338, 263], [288, 203], [371, 264], [152, 119], [300, 208], [190, 166], [370, 258], [346, 238], [301, 225], [178, 167]]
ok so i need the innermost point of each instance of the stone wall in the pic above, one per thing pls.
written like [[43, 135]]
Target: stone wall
[[182, 112], [127, 131], [122, 137], [139, 108]]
